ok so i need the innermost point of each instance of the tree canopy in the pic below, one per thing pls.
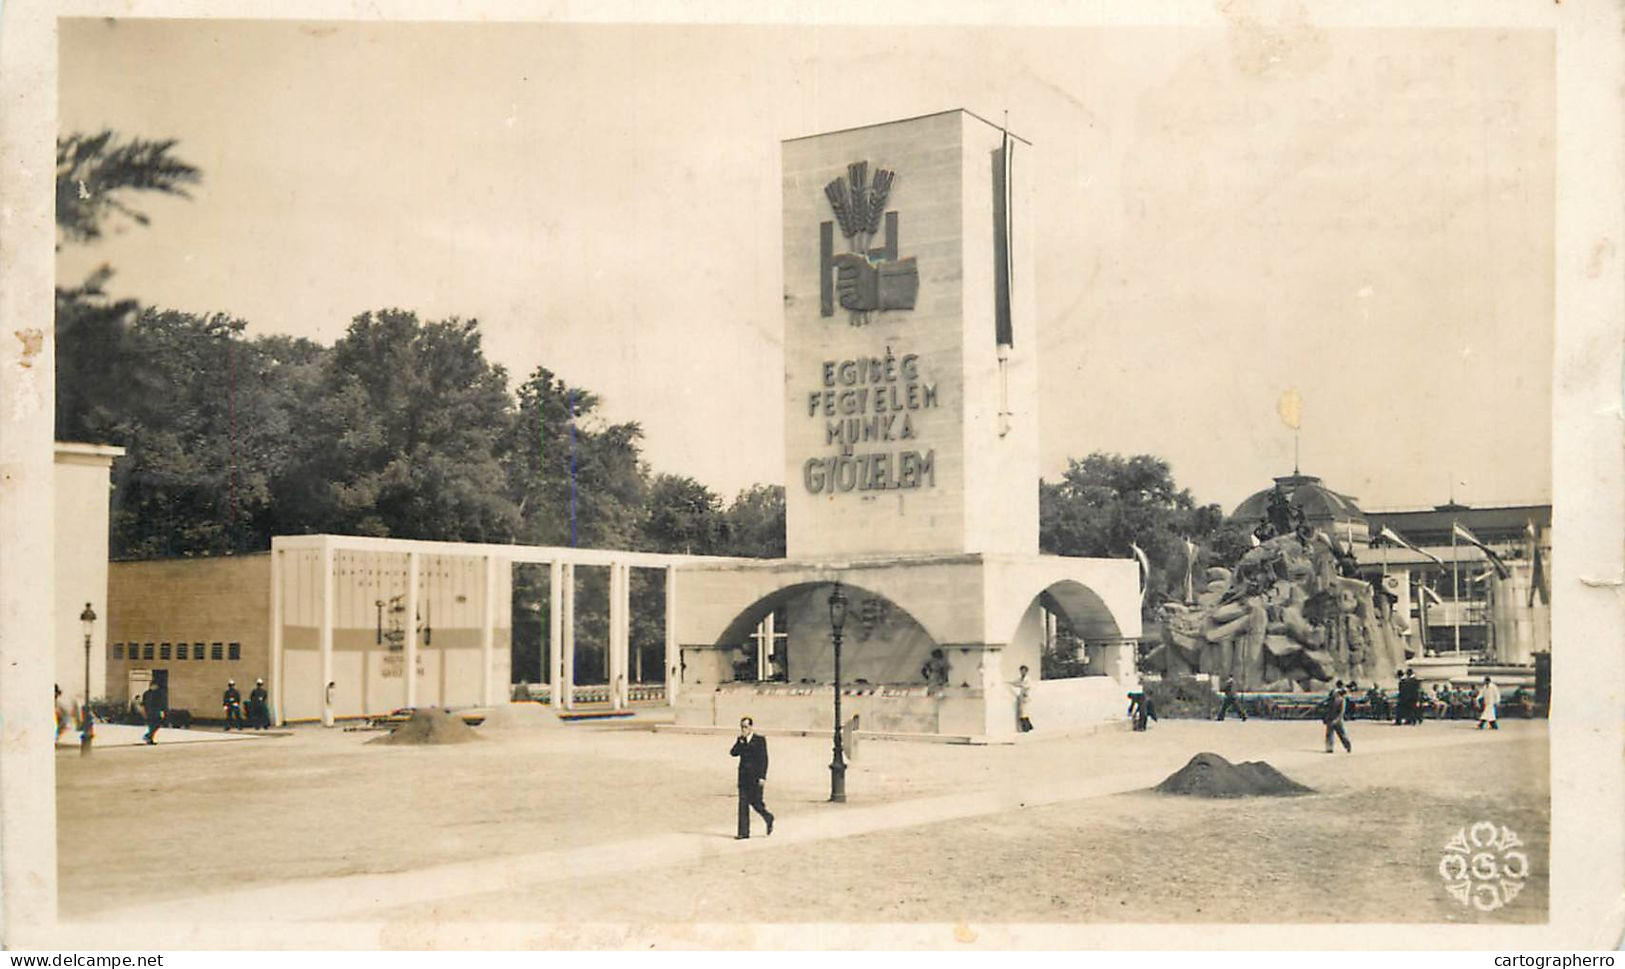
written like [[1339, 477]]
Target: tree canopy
[[1105, 504]]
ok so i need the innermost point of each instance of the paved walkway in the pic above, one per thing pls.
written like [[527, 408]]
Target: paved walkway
[[361, 897], [127, 735]]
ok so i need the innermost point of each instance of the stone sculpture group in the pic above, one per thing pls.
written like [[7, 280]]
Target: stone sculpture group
[[1291, 617]]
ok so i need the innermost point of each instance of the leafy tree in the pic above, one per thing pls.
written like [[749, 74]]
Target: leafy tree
[[577, 480], [407, 443], [754, 524], [95, 382], [193, 413], [95, 175], [683, 516], [1106, 503]]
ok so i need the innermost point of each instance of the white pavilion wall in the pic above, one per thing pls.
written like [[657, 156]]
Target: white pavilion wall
[[369, 655]]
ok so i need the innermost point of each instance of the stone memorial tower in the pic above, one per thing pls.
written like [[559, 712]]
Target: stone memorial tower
[[911, 449]]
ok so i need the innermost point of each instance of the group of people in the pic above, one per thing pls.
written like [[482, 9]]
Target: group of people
[[1446, 702], [258, 709], [154, 705]]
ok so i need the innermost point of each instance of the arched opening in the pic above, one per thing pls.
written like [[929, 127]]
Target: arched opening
[[1067, 631], [785, 637]]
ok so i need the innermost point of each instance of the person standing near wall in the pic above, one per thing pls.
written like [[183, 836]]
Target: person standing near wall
[[259, 707], [61, 714], [232, 701], [1024, 694], [327, 704], [935, 672]]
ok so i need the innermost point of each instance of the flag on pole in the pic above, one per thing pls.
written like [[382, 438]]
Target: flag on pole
[[1145, 568], [1537, 574], [1389, 535], [1190, 566], [1003, 225], [1489, 553]]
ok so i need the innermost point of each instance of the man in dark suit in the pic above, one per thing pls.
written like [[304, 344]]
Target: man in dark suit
[[152, 704], [1336, 709], [751, 749]]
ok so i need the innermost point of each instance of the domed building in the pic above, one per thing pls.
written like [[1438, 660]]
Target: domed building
[[1323, 509]]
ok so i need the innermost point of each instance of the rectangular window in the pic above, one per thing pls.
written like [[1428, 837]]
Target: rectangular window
[[217, 651], [163, 650], [146, 651], [180, 650], [118, 650], [234, 651], [197, 651]]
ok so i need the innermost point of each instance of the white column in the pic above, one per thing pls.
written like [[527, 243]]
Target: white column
[[325, 630], [764, 649], [565, 688], [555, 633], [411, 668], [276, 636], [674, 659], [619, 632], [488, 634]]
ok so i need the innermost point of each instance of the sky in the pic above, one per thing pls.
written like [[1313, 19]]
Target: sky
[[1360, 219]]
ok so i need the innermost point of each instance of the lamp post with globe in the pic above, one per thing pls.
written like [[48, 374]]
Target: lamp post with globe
[[87, 724], [837, 767]]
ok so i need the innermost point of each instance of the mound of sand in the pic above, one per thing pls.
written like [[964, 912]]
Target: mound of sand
[[1209, 775], [519, 716], [429, 727]]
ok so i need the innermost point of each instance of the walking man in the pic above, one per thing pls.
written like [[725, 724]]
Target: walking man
[[152, 704], [1336, 708], [1230, 701], [1489, 697], [232, 701], [1402, 692], [751, 749]]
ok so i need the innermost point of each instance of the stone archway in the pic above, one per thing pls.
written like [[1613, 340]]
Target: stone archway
[[883, 643]]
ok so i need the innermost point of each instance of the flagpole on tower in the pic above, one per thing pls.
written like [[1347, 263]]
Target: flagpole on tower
[[1003, 309]]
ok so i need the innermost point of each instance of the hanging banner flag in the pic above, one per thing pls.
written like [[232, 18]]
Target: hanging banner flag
[[1537, 574], [1145, 569], [1394, 538], [1489, 553], [1003, 333]]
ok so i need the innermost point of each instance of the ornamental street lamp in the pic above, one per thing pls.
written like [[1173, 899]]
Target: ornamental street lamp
[[837, 767], [87, 727]]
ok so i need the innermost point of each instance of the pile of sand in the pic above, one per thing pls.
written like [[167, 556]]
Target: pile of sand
[[519, 716], [429, 727], [1209, 775]]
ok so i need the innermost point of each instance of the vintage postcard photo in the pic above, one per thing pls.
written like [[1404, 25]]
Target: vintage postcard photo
[[698, 478]]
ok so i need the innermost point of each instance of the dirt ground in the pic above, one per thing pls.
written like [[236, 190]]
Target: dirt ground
[[321, 804]]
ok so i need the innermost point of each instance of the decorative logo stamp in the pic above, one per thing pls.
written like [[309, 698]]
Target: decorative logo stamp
[[1482, 866]]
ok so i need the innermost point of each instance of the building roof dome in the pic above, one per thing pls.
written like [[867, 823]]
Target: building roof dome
[[1305, 491]]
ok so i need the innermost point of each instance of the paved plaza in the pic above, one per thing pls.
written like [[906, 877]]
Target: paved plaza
[[619, 823]]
